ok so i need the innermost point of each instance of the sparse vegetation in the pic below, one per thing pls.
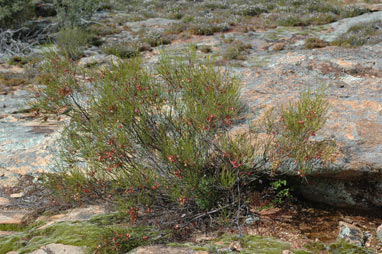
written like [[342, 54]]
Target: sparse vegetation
[[361, 34], [311, 43], [72, 41], [71, 13], [125, 50], [159, 136], [236, 50], [96, 238], [292, 131]]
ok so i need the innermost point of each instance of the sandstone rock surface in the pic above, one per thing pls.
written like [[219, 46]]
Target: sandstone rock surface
[[27, 145], [59, 249], [352, 78], [270, 78], [76, 214]]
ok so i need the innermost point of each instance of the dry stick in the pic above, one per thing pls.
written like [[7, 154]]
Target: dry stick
[[207, 214]]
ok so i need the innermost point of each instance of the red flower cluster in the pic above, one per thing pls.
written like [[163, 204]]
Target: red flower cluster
[[171, 158], [177, 173], [133, 212], [235, 164], [64, 91]]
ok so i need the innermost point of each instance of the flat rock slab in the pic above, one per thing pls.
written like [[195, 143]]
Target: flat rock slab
[[27, 145], [12, 216], [59, 249], [76, 214]]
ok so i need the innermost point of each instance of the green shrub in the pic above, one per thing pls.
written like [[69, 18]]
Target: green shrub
[[155, 39], [72, 13], [236, 50], [292, 130], [72, 41], [14, 12], [126, 50], [311, 43], [282, 192], [153, 134], [161, 136]]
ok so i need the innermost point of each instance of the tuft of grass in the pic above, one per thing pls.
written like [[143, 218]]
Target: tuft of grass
[[205, 49], [103, 30], [18, 61], [311, 43], [155, 39], [122, 50], [236, 50], [72, 41], [293, 130]]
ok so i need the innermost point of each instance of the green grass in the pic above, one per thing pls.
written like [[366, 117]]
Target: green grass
[[99, 235]]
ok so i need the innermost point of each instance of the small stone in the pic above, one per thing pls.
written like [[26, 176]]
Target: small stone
[[17, 195], [76, 214], [379, 233], [12, 216], [251, 219], [98, 60], [235, 246], [287, 252], [352, 234]]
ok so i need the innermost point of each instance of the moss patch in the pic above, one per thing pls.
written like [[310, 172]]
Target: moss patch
[[262, 245], [103, 233]]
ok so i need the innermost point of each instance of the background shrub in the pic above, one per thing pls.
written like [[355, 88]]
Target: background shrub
[[14, 12], [72, 41], [75, 12]]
